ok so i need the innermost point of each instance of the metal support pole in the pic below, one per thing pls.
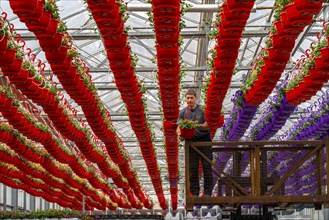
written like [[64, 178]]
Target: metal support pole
[[4, 197], [14, 194]]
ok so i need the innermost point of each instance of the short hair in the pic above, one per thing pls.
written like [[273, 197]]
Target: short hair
[[190, 92]]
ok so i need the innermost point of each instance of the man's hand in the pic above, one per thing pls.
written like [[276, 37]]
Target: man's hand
[[203, 126], [179, 134]]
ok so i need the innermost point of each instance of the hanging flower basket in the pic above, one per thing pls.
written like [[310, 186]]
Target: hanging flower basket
[[109, 22], [325, 54], [156, 3], [3, 44], [307, 7], [23, 8], [295, 17], [235, 24], [167, 36], [111, 29], [280, 43], [41, 25], [50, 30], [167, 52], [7, 58], [14, 68], [234, 14], [119, 43], [237, 7], [282, 33], [165, 9], [294, 27], [57, 57], [187, 128]]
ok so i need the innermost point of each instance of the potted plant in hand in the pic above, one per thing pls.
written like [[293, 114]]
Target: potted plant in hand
[[187, 128]]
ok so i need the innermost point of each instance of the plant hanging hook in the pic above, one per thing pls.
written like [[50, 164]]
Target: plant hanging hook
[[4, 15], [307, 52]]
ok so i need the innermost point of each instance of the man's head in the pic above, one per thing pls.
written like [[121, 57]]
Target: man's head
[[190, 99]]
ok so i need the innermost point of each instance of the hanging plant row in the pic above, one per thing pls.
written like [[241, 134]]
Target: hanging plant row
[[71, 71], [235, 125], [275, 115], [311, 72], [290, 22], [18, 143], [53, 146], [110, 17], [230, 22], [91, 151], [166, 21], [313, 124], [267, 69], [280, 107]]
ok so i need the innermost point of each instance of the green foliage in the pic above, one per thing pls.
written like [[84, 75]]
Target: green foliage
[[188, 124], [50, 6]]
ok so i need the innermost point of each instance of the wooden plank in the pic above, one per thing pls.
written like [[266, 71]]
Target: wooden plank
[[260, 143], [267, 148], [319, 170], [322, 199]]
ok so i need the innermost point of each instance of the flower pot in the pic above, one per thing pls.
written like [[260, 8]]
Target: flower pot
[[23, 8], [167, 36], [7, 58], [307, 7], [295, 17], [235, 24], [118, 54], [229, 34], [41, 26], [237, 7], [110, 9], [49, 31], [223, 64], [282, 33], [112, 29], [57, 57], [281, 43], [325, 54], [156, 3], [187, 133], [166, 9], [109, 22], [119, 43], [167, 20], [14, 68], [234, 14], [3, 44], [51, 44], [166, 52]]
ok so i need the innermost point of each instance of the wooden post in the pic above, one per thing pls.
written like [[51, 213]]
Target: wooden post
[[327, 163], [187, 173], [257, 170], [252, 171], [319, 163]]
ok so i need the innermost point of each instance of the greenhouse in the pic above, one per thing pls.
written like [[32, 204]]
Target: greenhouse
[[164, 109]]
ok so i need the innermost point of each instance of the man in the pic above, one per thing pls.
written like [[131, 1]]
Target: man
[[202, 134]]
